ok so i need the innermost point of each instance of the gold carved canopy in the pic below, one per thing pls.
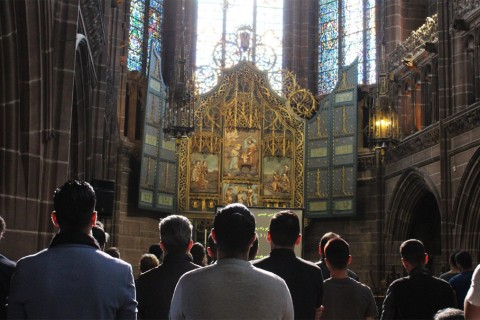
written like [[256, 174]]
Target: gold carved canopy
[[248, 147]]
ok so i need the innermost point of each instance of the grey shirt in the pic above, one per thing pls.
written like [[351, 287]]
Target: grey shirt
[[231, 289], [347, 299]]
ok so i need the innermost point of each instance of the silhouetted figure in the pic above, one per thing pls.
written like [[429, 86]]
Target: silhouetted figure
[[453, 267], [304, 279], [113, 251], [344, 297], [72, 278], [232, 287], [99, 235], [155, 287], [461, 282], [198, 254], [419, 295], [449, 314], [148, 261], [321, 251], [157, 251]]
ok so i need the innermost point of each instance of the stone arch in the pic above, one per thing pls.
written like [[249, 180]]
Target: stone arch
[[466, 230], [413, 192]]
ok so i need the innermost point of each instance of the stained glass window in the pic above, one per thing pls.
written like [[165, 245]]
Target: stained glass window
[[346, 31], [245, 39], [146, 17]]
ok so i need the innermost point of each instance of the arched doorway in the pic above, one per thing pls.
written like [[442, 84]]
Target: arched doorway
[[425, 225], [414, 213]]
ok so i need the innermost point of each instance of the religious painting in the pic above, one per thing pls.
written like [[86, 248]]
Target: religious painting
[[245, 193], [241, 154], [277, 176], [203, 173]]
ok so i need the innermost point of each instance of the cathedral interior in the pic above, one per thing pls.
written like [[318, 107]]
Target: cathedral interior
[[363, 116]]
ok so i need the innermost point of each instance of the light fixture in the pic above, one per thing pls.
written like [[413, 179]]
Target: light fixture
[[178, 122]]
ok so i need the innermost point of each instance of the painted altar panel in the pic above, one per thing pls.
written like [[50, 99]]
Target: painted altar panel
[[251, 142]]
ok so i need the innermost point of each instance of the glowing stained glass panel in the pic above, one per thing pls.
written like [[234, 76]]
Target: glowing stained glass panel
[[328, 46], [357, 40], [138, 40]]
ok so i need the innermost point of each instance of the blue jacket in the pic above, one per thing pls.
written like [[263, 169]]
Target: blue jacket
[[72, 280]]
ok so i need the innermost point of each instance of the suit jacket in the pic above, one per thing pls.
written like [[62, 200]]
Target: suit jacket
[[304, 280], [72, 279], [155, 287], [6, 270], [417, 296]]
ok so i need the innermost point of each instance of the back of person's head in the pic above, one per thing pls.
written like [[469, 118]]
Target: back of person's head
[[148, 261], [198, 254], [337, 253], [284, 228], [325, 238], [413, 251], [449, 314], [175, 233], [234, 228], [100, 236], [252, 252], [452, 261], [463, 260], [156, 250], [113, 251], [74, 204]]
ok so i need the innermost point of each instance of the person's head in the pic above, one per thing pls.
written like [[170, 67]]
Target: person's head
[[211, 248], [233, 230], [100, 236], [148, 261], [284, 229], [252, 253], [337, 254], [3, 227], [156, 250], [464, 261], [451, 260], [175, 234], [113, 251], [198, 254], [74, 206], [323, 242], [449, 314], [413, 254]]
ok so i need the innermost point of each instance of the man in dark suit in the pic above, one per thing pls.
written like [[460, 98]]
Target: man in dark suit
[[304, 279], [419, 295], [72, 278], [155, 287], [6, 270]]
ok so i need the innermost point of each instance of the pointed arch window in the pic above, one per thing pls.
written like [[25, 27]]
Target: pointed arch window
[[346, 31], [146, 18]]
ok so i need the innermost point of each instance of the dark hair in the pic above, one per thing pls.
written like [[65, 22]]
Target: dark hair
[[148, 261], [284, 228], [327, 237], [252, 252], [452, 258], [234, 227], [175, 233], [114, 252], [156, 250], [413, 251], [449, 314], [198, 254], [100, 236], [337, 252], [74, 204], [463, 260]]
